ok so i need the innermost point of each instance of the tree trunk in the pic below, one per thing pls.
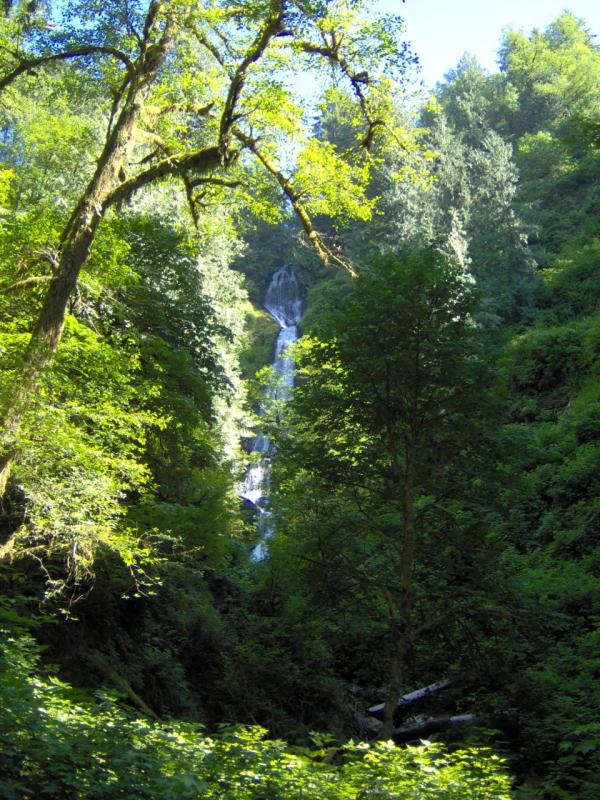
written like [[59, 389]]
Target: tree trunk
[[403, 633], [395, 686], [76, 242]]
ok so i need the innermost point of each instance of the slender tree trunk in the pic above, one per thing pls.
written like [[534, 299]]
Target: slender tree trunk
[[402, 636], [76, 242], [399, 645]]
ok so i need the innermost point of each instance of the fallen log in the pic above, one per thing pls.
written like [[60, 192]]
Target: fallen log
[[417, 730], [412, 697]]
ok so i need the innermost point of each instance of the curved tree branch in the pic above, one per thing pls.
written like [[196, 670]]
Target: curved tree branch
[[130, 25], [34, 280], [27, 65], [208, 45], [212, 181], [195, 201], [198, 161], [324, 253], [272, 26], [358, 80]]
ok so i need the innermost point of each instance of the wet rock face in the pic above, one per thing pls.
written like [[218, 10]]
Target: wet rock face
[[283, 301]]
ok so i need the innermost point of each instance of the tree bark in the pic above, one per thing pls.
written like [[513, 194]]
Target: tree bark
[[402, 634], [76, 241]]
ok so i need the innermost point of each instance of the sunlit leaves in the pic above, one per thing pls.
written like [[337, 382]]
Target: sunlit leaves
[[556, 71], [329, 185], [130, 407], [58, 742], [44, 134]]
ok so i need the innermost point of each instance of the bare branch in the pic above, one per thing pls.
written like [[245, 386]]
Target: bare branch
[[50, 256], [195, 201], [130, 25], [225, 41], [211, 181], [206, 43], [149, 157], [358, 80], [192, 204]]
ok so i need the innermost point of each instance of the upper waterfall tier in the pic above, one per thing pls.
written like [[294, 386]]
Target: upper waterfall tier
[[283, 300]]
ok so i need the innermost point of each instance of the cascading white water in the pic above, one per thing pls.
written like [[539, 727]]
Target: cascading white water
[[283, 301]]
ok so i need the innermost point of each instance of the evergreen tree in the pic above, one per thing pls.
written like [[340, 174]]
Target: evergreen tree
[[384, 453]]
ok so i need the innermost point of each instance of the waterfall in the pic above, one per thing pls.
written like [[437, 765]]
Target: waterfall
[[283, 301]]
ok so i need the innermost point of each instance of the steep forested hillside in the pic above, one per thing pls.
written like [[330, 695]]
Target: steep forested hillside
[[430, 593]]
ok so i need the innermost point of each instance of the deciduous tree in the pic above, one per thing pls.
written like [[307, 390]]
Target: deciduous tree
[[192, 88]]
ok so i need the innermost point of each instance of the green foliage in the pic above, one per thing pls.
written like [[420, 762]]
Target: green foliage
[[262, 330], [84, 452], [127, 413], [330, 186], [461, 193], [392, 373], [554, 521], [59, 743], [556, 73], [163, 322], [554, 384], [556, 76]]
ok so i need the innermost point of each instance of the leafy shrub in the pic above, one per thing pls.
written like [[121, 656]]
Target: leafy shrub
[[59, 743]]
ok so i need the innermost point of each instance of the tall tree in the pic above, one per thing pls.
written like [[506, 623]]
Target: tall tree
[[383, 444], [470, 203]]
